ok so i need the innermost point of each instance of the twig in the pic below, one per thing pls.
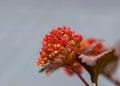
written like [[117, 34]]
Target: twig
[[111, 78], [96, 84], [81, 78]]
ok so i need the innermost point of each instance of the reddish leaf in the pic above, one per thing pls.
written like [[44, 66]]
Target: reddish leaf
[[50, 68], [100, 61], [110, 69]]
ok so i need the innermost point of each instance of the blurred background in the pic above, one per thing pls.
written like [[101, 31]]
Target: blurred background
[[24, 23]]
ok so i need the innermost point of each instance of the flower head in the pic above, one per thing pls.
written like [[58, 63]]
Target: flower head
[[59, 45]]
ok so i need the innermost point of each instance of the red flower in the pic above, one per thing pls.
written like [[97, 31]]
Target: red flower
[[77, 37], [60, 45], [96, 50], [71, 72], [68, 71]]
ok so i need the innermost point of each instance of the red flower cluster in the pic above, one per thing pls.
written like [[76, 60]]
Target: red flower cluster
[[60, 45]]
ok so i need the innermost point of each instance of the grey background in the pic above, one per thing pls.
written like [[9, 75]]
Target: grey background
[[24, 23]]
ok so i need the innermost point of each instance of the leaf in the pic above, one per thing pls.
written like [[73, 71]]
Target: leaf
[[90, 47], [100, 61], [117, 48], [111, 67], [42, 70], [50, 68]]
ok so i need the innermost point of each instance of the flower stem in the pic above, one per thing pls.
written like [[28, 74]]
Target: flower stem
[[80, 76], [96, 83]]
